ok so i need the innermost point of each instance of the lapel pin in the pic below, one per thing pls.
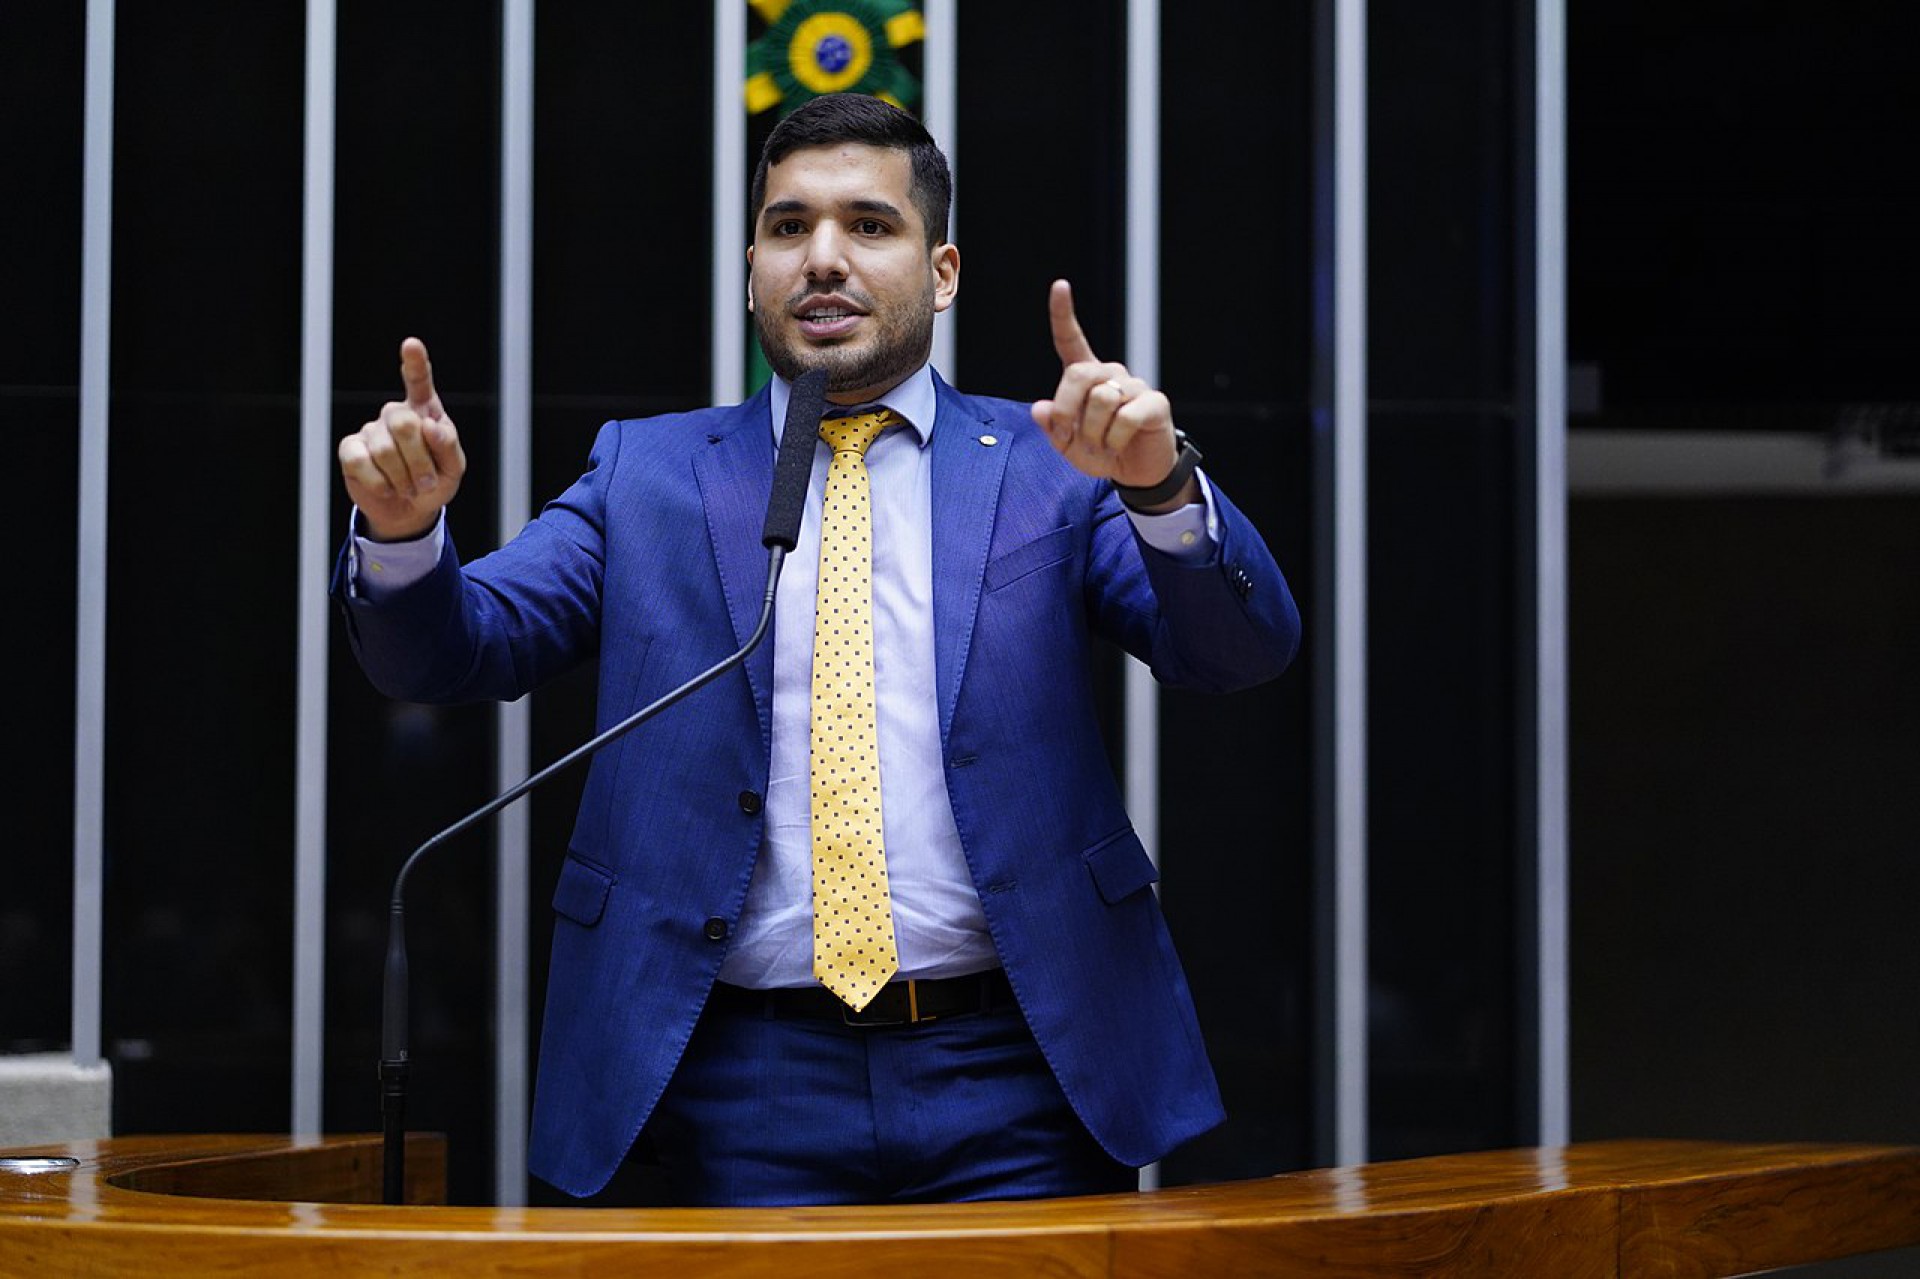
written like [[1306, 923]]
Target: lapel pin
[[989, 440]]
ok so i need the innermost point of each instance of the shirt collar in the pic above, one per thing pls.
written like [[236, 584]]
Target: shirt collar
[[913, 399]]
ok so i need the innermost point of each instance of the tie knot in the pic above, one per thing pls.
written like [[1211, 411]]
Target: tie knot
[[856, 432]]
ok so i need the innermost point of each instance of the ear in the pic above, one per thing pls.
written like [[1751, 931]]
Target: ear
[[749, 279], [946, 275]]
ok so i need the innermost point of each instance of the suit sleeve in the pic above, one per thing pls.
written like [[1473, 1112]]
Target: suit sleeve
[[1217, 626], [506, 623]]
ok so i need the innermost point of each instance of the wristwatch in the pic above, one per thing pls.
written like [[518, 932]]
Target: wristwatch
[[1184, 464]]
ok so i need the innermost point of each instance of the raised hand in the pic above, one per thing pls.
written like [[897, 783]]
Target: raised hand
[[406, 464], [1104, 420]]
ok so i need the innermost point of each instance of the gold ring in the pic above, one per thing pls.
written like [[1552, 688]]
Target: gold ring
[[1118, 389]]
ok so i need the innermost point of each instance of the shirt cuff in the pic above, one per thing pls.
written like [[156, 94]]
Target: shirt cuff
[[1190, 535], [378, 569]]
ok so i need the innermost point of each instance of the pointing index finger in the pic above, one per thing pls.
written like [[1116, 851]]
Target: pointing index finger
[[1069, 342], [416, 370]]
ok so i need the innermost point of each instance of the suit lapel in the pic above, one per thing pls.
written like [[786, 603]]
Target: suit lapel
[[966, 494], [735, 474]]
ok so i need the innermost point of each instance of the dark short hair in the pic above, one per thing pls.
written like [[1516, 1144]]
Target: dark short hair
[[834, 118]]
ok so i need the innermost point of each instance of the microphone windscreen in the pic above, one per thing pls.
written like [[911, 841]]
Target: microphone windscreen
[[805, 403]]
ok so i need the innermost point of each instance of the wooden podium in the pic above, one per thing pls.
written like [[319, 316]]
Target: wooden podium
[[156, 1207]]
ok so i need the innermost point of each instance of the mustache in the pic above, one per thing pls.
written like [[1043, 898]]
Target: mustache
[[862, 300]]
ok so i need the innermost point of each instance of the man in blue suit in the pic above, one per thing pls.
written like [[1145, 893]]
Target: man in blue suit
[[1037, 1036]]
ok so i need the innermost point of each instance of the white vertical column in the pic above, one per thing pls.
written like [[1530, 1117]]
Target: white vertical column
[[1550, 564], [1340, 626], [727, 375], [316, 491], [1143, 360], [514, 720], [941, 114], [1142, 343], [90, 623]]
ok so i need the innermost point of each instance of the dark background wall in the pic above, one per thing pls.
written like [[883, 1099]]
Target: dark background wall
[[1745, 874], [1745, 695], [40, 97], [1443, 547]]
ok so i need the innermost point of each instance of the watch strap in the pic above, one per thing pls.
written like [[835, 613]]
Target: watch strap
[[1185, 462]]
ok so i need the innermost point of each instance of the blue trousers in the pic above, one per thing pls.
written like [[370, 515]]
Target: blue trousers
[[772, 1111]]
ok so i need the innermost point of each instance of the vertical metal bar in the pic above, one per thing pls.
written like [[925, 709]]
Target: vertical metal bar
[[90, 623], [1143, 361], [1142, 345], [1540, 869], [1350, 601], [514, 722], [728, 372], [316, 452], [1550, 560], [942, 120], [1340, 628]]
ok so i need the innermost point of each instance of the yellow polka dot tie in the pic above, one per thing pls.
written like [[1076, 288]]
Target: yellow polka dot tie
[[853, 950]]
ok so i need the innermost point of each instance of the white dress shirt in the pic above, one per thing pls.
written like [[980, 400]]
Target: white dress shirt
[[939, 928]]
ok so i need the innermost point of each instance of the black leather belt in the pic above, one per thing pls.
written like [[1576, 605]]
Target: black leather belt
[[899, 1003]]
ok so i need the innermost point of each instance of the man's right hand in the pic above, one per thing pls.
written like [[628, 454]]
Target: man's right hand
[[406, 464]]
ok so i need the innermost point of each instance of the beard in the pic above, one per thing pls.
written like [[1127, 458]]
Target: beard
[[900, 343]]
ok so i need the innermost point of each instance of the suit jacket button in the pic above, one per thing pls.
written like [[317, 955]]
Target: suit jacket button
[[750, 802], [716, 929]]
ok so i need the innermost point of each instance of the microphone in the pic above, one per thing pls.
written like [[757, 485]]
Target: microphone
[[791, 472], [806, 405]]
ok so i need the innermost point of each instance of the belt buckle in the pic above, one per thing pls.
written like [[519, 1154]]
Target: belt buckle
[[868, 1018]]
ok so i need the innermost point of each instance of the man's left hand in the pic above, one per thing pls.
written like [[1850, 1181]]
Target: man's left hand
[[1107, 422]]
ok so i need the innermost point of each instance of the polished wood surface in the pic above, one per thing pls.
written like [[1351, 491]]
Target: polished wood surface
[[164, 1206]]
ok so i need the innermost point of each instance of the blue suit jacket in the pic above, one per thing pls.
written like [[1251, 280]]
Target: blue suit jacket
[[653, 561]]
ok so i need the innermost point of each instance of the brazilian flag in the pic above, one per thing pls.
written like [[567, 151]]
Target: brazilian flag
[[813, 47]]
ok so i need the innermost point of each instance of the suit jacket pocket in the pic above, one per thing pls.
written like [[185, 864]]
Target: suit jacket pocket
[[1120, 866], [1047, 549], [581, 894]]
